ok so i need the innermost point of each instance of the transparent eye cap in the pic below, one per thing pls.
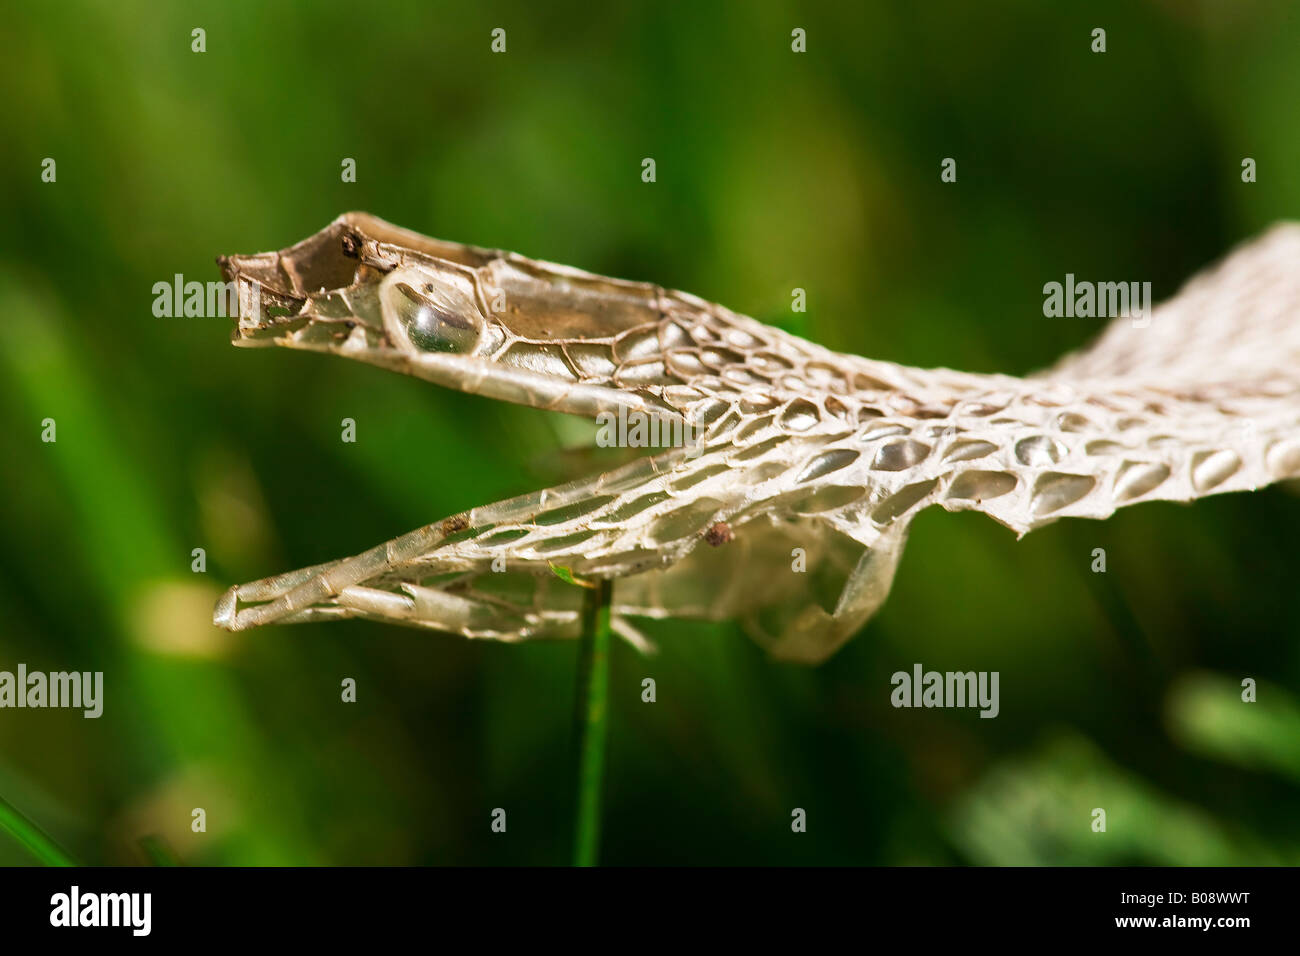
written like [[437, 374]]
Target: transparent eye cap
[[433, 310]]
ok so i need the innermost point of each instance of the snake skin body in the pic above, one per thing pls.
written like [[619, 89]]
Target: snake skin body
[[799, 447]]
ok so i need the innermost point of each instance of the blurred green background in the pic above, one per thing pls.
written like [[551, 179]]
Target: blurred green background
[[774, 170]]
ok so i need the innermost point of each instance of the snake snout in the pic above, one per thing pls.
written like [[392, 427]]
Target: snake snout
[[318, 282]]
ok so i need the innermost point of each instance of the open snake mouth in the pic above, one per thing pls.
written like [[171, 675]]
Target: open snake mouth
[[801, 448], [551, 337]]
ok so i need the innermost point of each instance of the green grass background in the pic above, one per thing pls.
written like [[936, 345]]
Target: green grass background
[[775, 170]]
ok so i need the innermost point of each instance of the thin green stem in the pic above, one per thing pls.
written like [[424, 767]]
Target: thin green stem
[[593, 725], [31, 836]]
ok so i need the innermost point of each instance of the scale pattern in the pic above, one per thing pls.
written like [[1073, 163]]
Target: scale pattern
[[789, 446]]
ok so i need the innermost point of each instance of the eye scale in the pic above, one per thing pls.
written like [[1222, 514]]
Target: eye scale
[[428, 326], [799, 450]]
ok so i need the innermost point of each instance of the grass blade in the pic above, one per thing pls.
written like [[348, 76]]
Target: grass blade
[[31, 836], [593, 699]]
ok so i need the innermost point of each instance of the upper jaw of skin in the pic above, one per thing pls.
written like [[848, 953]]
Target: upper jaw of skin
[[309, 294]]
